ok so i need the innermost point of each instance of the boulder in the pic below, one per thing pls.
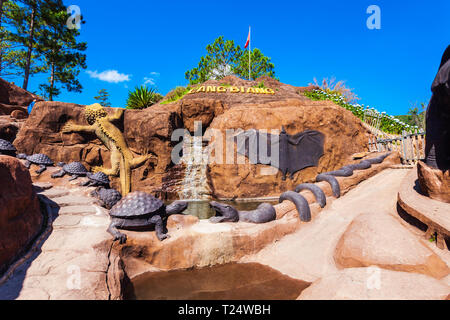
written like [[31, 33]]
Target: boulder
[[344, 136], [9, 128], [378, 239], [376, 284], [434, 183], [150, 131], [20, 215], [12, 95]]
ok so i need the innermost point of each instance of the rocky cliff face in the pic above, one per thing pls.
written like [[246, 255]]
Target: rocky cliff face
[[150, 131], [20, 215], [14, 102]]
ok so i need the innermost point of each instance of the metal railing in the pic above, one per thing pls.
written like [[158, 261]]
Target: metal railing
[[411, 146]]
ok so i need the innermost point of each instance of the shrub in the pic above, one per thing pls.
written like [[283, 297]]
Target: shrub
[[176, 94], [331, 86], [142, 97], [387, 123]]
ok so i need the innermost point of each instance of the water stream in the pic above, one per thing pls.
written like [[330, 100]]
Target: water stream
[[195, 157]]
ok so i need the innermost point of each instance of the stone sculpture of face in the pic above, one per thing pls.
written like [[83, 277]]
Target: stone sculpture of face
[[94, 112]]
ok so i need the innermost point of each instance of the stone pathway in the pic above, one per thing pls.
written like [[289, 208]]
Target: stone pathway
[[309, 253], [73, 260]]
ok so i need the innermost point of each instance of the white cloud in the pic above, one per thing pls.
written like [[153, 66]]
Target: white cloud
[[149, 81], [111, 76]]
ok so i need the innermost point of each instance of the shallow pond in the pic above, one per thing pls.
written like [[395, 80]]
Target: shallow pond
[[202, 210], [234, 281]]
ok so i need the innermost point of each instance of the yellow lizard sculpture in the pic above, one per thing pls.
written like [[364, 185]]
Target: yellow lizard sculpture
[[122, 160]]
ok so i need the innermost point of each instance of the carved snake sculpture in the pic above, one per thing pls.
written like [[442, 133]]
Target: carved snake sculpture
[[300, 201], [347, 171]]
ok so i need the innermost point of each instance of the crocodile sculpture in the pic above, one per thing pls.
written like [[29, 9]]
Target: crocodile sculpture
[[122, 159]]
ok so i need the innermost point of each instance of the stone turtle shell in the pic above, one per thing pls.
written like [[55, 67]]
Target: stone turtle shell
[[40, 158], [99, 177], [109, 196], [6, 146], [137, 204], [75, 168]]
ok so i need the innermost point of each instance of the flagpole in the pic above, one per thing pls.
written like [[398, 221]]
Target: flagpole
[[249, 55]]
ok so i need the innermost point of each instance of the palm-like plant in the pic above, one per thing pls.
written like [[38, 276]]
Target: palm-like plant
[[142, 97]]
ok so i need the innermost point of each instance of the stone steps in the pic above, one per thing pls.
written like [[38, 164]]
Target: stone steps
[[73, 259]]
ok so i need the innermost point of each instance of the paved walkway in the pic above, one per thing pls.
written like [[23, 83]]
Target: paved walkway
[[73, 259], [308, 253]]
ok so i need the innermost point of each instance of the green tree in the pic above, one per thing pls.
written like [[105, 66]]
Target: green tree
[[20, 43], [27, 27], [142, 97], [260, 65], [17, 57], [103, 98], [7, 61], [416, 117], [63, 54], [223, 58]]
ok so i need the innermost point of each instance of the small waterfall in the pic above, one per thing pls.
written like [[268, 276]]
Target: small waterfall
[[195, 156]]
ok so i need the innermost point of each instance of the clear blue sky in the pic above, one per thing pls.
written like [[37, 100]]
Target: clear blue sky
[[157, 41]]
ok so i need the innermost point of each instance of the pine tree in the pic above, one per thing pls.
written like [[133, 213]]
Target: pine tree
[[103, 98], [22, 39], [63, 54], [10, 53], [224, 58]]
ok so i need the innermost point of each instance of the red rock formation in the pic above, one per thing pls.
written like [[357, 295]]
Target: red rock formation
[[12, 95], [20, 215], [14, 102], [150, 130], [434, 183]]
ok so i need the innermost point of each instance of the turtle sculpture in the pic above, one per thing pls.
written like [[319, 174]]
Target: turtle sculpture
[[75, 169], [140, 211], [98, 179], [107, 198], [7, 149], [42, 160]]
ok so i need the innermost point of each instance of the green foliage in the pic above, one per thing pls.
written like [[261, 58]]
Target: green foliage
[[35, 39], [223, 58], [176, 94], [388, 124], [414, 117], [103, 98], [331, 86], [433, 238], [260, 65], [142, 97], [63, 54], [260, 85], [20, 25]]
